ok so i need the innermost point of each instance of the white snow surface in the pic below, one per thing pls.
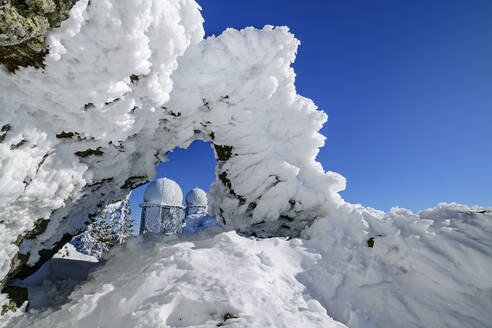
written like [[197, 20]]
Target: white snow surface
[[50, 286], [68, 251], [193, 281], [199, 221], [165, 192], [430, 269]]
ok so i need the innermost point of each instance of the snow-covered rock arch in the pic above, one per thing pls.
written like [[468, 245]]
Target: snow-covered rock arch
[[124, 83]]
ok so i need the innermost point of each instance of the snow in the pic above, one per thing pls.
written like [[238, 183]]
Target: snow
[[193, 281], [199, 221], [68, 251], [51, 285], [430, 269], [165, 192]]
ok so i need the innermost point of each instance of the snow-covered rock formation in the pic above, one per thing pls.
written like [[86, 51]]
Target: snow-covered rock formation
[[124, 83]]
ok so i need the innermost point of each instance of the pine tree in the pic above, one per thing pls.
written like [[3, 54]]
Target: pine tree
[[114, 227], [86, 243], [125, 223]]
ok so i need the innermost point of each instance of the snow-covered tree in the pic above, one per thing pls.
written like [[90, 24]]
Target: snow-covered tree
[[113, 228], [98, 239], [125, 223]]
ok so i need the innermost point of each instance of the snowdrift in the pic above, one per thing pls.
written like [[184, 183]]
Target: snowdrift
[[364, 268], [193, 281]]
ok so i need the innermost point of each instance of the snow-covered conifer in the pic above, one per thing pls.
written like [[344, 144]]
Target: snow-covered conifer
[[115, 227], [125, 223]]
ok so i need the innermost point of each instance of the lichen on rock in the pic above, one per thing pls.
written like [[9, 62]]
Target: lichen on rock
[[17, 296], [23, 27]]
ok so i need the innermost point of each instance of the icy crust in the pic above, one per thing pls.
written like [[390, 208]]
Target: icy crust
[[193, 281], [75, 136], [430, 269]]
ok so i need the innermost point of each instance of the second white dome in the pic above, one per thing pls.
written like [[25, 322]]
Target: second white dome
[[196, 197]]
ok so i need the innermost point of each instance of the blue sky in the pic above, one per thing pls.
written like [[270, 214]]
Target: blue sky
[[407, 86]]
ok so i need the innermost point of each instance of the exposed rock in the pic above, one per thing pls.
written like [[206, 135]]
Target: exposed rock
[[23, 27], [227, 316], [222, 152], [89, 152], [17, 295], [3, 132]]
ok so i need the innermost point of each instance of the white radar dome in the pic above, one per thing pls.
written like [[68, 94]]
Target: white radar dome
[[164, 191], [196, 197]]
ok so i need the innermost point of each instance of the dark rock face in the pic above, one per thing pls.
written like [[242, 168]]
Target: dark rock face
[[17, 295], [23, 27]]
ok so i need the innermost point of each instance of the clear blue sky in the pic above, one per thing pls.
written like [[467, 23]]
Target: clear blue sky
[[407, 86]]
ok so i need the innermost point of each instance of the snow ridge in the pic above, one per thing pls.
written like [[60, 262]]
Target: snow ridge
[[190, 281]]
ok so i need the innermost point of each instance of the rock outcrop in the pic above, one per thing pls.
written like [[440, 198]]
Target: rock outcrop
[[23, 28]]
